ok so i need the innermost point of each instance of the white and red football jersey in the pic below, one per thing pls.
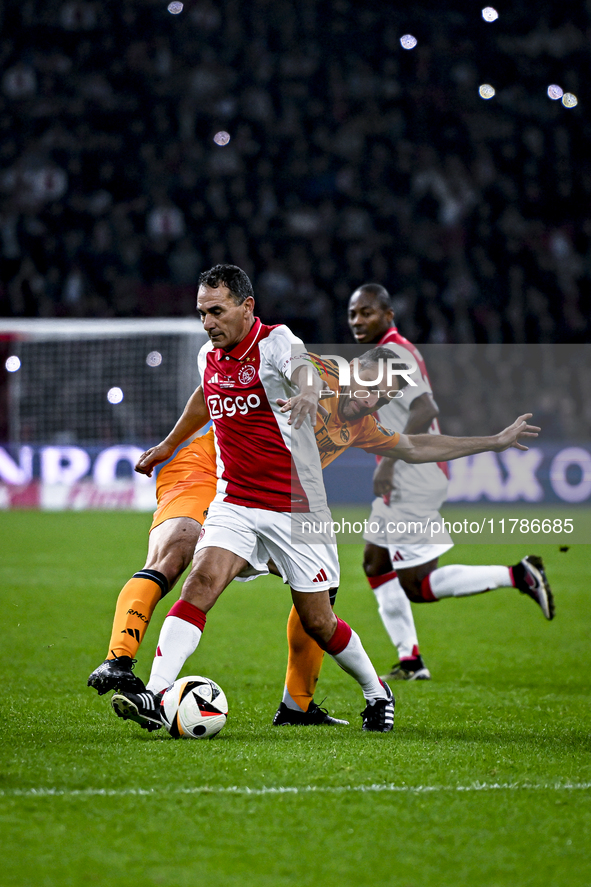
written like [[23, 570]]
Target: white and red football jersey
[[259, 464], [393, 337], [415, 484]]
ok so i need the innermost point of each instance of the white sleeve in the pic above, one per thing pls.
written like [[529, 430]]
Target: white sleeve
[[202, 359], [285, 351]]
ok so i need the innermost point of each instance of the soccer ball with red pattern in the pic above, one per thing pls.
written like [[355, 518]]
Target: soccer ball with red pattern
[[194, 708]]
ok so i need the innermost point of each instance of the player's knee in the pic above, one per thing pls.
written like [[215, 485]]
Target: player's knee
[[368, 568], [201, 583], [414, 595], [416, 591], [312, 626], [175, 562], [318, 626], [172, 559], [371, 567], [376, 561]]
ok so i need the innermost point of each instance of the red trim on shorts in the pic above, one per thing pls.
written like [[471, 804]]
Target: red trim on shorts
[[426, 592], [188, 612], [340, 639], [376, 581], [512, 577]]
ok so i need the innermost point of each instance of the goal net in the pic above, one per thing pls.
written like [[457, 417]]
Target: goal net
[[96, 381], [81, 399]]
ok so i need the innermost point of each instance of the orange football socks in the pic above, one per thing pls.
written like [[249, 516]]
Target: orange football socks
[[135, 605], [303, 664]]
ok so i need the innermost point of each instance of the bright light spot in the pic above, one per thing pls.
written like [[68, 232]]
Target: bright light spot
[[555, 91], [489, 14], [221, 138], [154, 359], [13, 364], [486, 91], [115, 395], [569, 100], [408, 41], [175, 7]]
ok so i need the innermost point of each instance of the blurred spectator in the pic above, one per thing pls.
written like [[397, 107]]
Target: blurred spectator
[[349, 158], [19, 81]]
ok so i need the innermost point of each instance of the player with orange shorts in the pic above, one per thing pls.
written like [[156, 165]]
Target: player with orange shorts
[[185, 487]]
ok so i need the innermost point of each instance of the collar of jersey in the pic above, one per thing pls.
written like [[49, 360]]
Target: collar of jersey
[[239, 351], [391, 329]]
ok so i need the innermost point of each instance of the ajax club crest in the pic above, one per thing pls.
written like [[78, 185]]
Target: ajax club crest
[[246, 374]]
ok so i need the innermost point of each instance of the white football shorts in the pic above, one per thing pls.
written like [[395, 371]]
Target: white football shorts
[[411, 539], [258, 535]]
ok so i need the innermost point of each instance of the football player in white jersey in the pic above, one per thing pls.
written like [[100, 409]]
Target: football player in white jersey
[[249, 377], [400, 568], [248, 371]]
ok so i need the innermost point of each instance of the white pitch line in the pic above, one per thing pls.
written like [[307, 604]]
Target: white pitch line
[[291, 790]]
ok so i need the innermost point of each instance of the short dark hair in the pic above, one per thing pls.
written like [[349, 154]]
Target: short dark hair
[[230, 276], [382, 296], [374, 355]]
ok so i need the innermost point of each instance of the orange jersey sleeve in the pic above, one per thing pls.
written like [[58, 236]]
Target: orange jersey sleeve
[[373, 437]]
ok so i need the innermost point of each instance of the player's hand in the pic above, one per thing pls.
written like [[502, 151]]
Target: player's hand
[[153, 457], [515, 434], [286, 406], [383, 478]]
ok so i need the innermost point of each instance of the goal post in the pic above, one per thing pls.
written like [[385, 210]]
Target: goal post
[[97, 381], [80, 399]]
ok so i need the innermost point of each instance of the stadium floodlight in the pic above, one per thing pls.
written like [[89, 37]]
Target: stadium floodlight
[[555, 92], [115, 395], [67, 367], [569, 100], [486, 91], [408, 41], [154, 359], [490, 14], [13, 364]]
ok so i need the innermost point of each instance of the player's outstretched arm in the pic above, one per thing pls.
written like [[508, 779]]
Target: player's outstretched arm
[[441, 448], [305, 403], [194, 417]]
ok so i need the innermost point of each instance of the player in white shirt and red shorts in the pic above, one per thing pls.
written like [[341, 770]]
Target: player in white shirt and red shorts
[[404, 566]]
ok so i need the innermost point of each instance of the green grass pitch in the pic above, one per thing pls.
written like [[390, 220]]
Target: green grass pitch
[[485, 782]]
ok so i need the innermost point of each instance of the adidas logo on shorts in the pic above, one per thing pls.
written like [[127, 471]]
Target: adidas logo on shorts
[[321, 577]]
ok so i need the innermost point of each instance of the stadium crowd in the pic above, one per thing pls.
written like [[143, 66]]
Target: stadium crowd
[[350, 159]]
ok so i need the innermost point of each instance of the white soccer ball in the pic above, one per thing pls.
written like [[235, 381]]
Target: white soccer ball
[[194, 708]]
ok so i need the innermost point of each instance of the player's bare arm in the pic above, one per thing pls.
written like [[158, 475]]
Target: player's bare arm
[[194, 416], [441, 448], [422, 411], [305, 403], [320, 411]]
